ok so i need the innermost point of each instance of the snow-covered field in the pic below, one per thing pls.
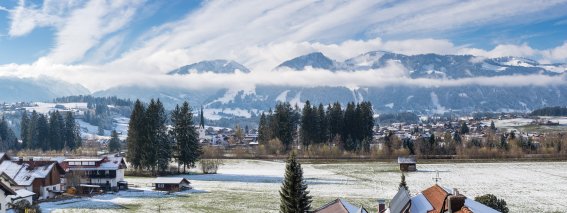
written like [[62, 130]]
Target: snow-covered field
[[252, 186]]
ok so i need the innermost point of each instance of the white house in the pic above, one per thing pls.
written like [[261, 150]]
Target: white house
[[107, 172]]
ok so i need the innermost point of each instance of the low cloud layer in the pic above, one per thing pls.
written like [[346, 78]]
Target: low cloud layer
[[89, 40]]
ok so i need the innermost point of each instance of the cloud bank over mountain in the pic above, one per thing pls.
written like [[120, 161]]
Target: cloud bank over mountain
[[104, 44]]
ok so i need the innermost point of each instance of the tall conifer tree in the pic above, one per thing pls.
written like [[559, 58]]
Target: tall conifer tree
[[294, 197]]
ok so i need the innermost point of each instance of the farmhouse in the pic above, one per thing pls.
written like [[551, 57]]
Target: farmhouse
[[5, 192], [40, 177], [106, 172], [171, 184], [340, 206], [407, 164], [436, 199]]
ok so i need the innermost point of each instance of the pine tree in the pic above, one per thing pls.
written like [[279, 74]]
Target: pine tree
[[263, 135], [284, 125], [24, 129], [464, 128], [56, 127], [43, 137], [294, 197], [336, 120], [135, 135], [323, 127], [187, 147], [72, 138], [163, 141], [202, 118], [307, 131], [33, 131], [492, 126], [403, 183], [114, 143]]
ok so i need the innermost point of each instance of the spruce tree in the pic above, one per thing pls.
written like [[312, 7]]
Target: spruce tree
[[135, 135], [43, 137], [187, 147], [114, 143], [72, 138], [403, 183], [163, 141], [323, 124], [24, 129], [294, 197]]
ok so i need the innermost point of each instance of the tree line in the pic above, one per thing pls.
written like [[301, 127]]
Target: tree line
[[8, 139], [351, 127], [53, 131], [550, 111], [152, 146]]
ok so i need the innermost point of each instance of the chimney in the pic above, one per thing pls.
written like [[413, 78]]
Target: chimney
[[381, 205], [455, 202]]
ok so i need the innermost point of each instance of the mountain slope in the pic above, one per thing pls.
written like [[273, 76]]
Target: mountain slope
[[14, 89], [216, 66]]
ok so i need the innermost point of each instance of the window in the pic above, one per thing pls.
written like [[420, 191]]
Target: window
[[160, 185], [91, 163]]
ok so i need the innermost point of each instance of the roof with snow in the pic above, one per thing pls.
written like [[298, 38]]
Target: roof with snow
[[21, 193], [407, 160], [434, 198], [401, 201], [340, 206], [170, 180], [24, 173], [7, 190], [109, 162]]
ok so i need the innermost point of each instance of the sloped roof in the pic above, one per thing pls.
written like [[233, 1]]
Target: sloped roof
[[170, 180], [7, 190], [21, 193], [24, 174], [432, 199], [340, 206], [407, 160], [400, 201], [436, 196]]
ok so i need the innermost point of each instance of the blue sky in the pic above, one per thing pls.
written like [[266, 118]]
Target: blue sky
[[74, 38]]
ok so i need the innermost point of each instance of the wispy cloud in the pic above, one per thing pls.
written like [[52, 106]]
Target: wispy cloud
[[261, 34]]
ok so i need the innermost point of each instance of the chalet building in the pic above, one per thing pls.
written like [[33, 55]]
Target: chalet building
[[340, 206], [5, 192], [435, 199], [407, 164], [171, 184], [106, 172], [40, 177]]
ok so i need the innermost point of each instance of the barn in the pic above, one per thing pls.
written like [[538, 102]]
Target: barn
[[171, 184], [407, 163]]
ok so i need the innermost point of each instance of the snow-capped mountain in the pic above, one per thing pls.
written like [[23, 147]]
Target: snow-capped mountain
[[249, 102], [314, 60], [216, 66]]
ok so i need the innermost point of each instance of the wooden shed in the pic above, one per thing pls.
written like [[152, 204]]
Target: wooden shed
[[407, 163], [171, 184]]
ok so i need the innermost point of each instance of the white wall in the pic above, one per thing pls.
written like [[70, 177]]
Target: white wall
[[3, 201]]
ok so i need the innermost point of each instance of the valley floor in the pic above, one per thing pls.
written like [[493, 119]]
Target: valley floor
[[252, 186]]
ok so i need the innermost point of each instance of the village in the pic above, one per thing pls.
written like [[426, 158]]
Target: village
[[25, 181], [30, 179]]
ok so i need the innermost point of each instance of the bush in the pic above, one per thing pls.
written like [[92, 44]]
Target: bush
[[493, 202], [210, 166], [211, 160]]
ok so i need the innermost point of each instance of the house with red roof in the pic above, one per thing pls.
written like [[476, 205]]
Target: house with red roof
[[435, 199]]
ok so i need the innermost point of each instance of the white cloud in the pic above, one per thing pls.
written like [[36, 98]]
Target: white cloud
[[25, 18], [86, 27], [261, 34]]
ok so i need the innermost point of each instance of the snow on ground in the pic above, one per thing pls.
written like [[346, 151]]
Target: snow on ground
[[217, 114], [252, 186], [43, 108], [516, 122]]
